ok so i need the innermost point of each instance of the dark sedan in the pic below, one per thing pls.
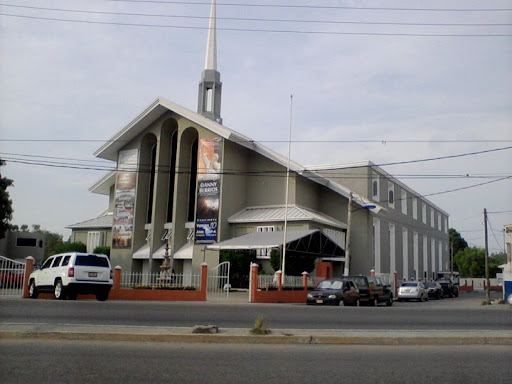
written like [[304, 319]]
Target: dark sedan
[[334, 292], [434, 290]]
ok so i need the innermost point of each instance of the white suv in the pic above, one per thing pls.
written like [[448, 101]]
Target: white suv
[[70, 274]]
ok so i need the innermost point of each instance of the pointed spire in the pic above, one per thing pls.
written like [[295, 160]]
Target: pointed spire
[[211, 47], [210, 87]]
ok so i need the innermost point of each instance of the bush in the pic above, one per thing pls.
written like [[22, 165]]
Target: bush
[[103, 250], [71, 247]]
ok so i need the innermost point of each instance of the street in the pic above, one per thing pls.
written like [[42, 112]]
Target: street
[[64, 361], [463, 313]]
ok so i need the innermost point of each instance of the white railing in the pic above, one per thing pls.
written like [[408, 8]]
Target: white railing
[[153, 280], [387, 278], [295, 282], [12, 277]]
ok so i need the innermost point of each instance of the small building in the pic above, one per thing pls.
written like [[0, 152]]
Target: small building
[[18, 245]]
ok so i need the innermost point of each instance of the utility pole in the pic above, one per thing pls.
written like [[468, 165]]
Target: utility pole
[[487, 282]]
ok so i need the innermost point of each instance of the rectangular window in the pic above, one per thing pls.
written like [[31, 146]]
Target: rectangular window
[[264, 253], [94, 239], [416, 255], [376, 245], [432, 218], [415, 208], [425, 257], [391, 195], [375, 187], [392, 249], [424, 213], [26, 242], [445, 224], [405, 254], [403, 200], [433, 256]]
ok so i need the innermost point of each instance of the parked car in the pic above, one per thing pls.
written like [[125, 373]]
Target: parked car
[[434, 290], [334, 292], [71, 274], [412, 290], [372, 290], [450, 289]]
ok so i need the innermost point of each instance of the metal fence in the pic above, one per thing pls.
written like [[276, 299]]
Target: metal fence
[[12, 277], [154, 280], [266, 282]]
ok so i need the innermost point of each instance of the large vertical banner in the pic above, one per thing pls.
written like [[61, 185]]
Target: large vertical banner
[[122, 231], [209, 167]]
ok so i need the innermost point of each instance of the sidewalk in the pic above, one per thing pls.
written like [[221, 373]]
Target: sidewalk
[[243, 336]]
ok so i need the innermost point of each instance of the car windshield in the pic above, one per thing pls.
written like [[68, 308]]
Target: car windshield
[[91, 261], [330, 284], [409, 285], [430, 284]]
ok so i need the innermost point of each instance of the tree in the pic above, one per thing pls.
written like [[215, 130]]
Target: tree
[[5, 204], [470, 262], [52, 242], [240, 262], [296, 263], [457, 241]]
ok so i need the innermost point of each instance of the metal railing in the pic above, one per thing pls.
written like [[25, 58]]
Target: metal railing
[[12, 277], [156, 280], [266, 282]]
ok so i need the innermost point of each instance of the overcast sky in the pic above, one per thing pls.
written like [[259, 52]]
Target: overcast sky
[[386, 85]]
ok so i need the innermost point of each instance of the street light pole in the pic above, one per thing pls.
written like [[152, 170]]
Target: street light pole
[[346, 272]]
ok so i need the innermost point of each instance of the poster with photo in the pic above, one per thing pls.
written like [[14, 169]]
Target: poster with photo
[[209, 168], [124, 202]]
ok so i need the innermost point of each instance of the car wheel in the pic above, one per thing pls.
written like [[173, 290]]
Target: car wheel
[[456, 293], [375, 301], [358, 302], [102, 295], [32, 290], [341, 303], [389, 303], [59, 290]]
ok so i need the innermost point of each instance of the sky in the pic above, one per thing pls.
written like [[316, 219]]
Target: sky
[[387, 81]]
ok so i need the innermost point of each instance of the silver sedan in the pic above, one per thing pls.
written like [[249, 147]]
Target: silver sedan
[[412, 290]]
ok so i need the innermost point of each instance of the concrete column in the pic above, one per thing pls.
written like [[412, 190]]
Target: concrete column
[[29, 267], [253, 285], [305, 276], [279, 275]]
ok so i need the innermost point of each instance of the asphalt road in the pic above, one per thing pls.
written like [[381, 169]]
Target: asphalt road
[[65, 361], [463, 313]]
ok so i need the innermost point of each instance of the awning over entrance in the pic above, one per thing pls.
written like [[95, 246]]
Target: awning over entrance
[[306, 241]]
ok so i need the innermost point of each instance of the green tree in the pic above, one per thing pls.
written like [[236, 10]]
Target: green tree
[[71, 247], [52, 242], [5, 203], [470, 262], [457, 241], [105, 250], [240, 262]]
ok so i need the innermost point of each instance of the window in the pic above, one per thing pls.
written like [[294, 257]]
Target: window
[[376, 245], [264, 253], [432, 220], [405, 254], [392, 249], [403, 199], [415, 208], [91, 261], [391, 195], [439, 222], [95, 239], [47, 264], [445, 224], [26, 242], [56, 261], [375, 187], [66, 260], [424, 213]]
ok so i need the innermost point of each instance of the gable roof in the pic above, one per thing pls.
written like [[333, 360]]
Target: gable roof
[[160, 106]]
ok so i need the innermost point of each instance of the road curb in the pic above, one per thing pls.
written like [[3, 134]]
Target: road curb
[[226, 338]]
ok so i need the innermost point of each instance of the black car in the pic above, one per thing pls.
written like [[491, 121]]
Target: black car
[[450, 289], [372, 289], [334, 292], [434, 290]]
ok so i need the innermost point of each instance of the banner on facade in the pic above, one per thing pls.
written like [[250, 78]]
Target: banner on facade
[[122, 230], [209, 167]]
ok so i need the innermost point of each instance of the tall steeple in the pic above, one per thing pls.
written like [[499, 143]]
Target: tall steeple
[[210, 87]]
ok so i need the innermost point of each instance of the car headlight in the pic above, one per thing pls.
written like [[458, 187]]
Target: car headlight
[[310, 296], [332, 296]]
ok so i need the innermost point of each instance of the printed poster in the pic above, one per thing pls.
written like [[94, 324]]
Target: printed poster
[[209, 167], [122, 231]]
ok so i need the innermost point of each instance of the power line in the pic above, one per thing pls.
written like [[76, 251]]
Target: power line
[[260, 19], [283, 31], [321, 6]]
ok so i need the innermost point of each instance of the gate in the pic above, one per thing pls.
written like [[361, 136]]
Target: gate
[[218, 282], [12, 277]]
